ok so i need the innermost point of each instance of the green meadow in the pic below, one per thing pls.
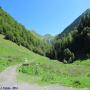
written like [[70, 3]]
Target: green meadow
[[41, 70]]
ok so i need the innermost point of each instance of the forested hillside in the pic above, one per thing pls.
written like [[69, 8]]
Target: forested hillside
[[75, 43], [72, 44], [17, 33], [74, 24]]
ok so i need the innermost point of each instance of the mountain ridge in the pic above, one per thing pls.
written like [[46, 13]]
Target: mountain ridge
[[74, 24], [70, 45], [74, 42]]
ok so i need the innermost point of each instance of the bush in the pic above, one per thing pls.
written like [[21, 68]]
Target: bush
[[76, 83], [68, 55]]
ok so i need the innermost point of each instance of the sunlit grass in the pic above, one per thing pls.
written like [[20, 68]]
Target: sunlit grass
[[40, 69], [53, 72]]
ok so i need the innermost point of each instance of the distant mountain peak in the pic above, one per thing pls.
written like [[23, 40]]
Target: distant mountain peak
[[47, 35]]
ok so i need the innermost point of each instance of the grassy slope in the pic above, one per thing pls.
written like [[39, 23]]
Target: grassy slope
[[54, 72], [41, 69], [10, 53]]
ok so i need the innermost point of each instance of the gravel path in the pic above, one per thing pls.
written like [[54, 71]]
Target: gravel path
[[8, 80]]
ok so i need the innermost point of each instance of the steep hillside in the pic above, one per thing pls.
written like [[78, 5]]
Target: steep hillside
[[74, 42], [74, 24], [17, 33], [11, 53]]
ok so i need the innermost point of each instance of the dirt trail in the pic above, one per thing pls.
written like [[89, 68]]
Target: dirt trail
[[8, 79]]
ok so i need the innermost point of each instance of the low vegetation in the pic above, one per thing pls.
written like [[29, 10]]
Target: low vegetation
[[53, 72], [41, 70], [11, 53]]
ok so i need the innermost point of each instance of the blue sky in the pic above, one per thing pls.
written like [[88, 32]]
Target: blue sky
[[45, 16]]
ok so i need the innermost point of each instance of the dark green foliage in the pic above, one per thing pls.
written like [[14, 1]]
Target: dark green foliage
[[68, 55], [73, 44], [76, 83]]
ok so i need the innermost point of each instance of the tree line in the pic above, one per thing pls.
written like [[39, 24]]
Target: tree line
[[73, 45]]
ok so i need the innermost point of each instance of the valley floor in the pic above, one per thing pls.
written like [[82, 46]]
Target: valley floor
[[49, 71], [8, 78]]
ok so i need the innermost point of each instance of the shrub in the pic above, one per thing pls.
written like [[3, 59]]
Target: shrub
[[76, 83], [69, 56]]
